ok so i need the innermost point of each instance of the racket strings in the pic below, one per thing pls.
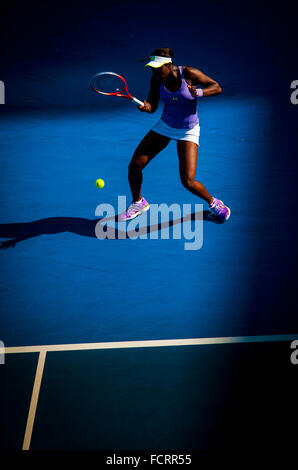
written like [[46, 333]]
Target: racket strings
[[109, 84]]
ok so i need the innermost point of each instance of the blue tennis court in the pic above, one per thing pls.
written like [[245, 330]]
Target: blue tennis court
[[107, 336]]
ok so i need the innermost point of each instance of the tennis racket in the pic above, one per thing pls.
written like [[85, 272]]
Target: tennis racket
[[112, 84]]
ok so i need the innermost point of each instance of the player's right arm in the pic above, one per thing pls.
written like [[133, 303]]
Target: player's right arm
[[151, 105]]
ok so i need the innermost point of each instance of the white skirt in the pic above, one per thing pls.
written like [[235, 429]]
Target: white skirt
[[178, 134]]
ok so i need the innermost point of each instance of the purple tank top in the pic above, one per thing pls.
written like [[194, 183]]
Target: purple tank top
[[180, 107]]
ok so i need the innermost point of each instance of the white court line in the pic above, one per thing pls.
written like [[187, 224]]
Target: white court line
[[149, 343], [34, 400], [43, 349]]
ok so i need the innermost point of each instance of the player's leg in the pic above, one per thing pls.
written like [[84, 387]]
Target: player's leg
[[148, 148], [187, 153], [152, 144]]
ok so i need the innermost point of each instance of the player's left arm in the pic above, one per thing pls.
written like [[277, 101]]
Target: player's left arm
[[199, 79]]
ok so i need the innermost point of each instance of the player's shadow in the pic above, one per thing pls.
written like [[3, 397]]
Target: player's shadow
[[21, 231]]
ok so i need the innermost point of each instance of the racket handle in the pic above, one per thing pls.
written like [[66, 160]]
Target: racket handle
[[138, 102]]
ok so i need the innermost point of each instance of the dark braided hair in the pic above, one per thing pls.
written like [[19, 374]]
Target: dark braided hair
[[164, 52]]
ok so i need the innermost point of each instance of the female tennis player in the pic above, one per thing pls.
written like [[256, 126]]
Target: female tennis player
[[176, 86]]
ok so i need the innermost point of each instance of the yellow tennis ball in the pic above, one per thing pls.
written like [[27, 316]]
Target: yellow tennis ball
[[100, 183]]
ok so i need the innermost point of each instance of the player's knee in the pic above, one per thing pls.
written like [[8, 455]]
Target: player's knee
[[135, 166], [187, 181]]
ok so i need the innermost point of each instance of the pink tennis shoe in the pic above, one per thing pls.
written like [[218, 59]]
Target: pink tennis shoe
[[135, 209], [220, 210]]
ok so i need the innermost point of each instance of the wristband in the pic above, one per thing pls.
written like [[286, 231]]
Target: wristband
[[199, 92]]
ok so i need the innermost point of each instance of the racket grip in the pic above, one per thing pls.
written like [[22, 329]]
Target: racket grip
[[138, 102]]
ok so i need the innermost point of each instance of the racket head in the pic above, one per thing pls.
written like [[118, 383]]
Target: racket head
[[110, 84]]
